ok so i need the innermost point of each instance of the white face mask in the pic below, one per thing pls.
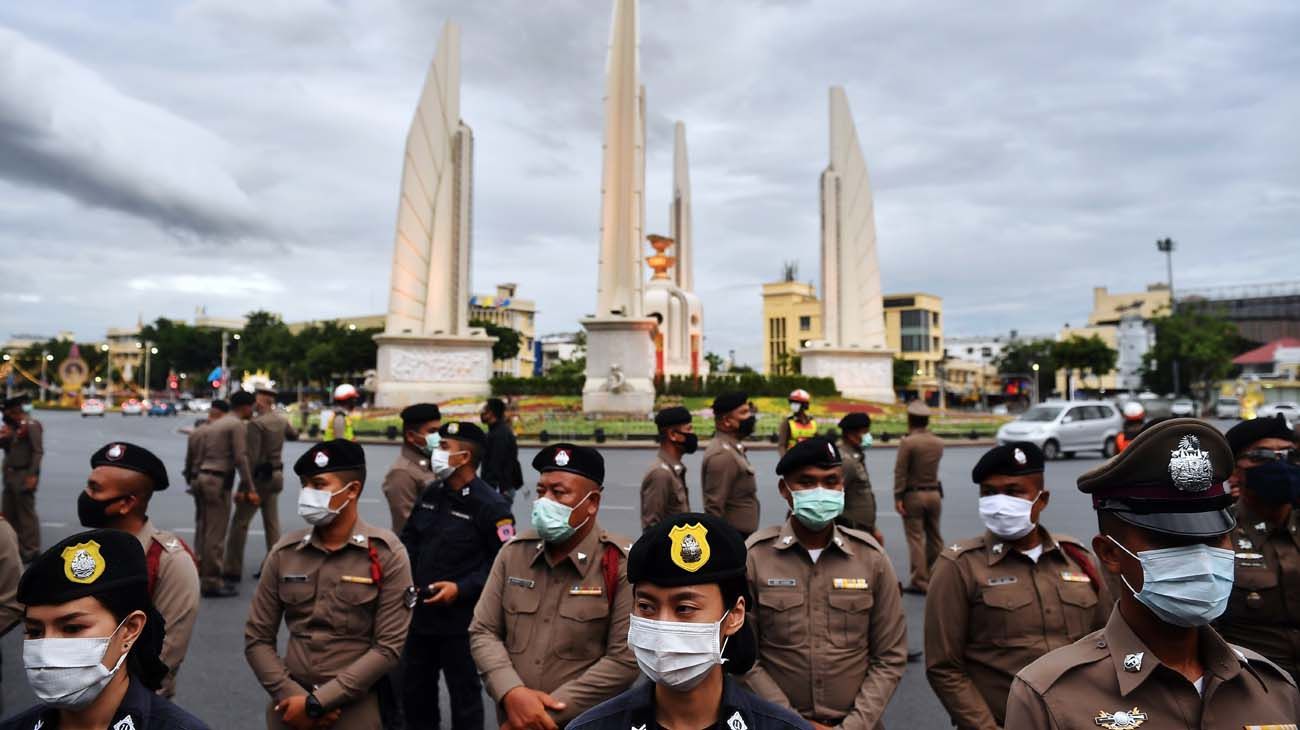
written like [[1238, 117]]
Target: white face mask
[[440, 463], [676, 654], [314, 505], [69, 673], [1007, 517]]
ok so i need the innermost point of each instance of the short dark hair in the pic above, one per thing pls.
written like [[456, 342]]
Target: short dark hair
[[353, 475], [496, 406], [914, 421]]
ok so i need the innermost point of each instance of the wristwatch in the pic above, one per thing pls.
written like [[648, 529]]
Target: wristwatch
[[314, 707]]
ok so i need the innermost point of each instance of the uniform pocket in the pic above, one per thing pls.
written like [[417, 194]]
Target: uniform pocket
[[1079, 602], [849, 620], [358, 601], [581, 632], [781, 619], [1002, 617], [1255, 595], [292, 593], [520, 606]]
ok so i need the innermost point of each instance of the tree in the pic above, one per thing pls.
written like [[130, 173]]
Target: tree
[[1020, 356], [183, 348], [904, 371], [507, 344], [266, 344], [714, 360], [1085, 355], [1203, 343]]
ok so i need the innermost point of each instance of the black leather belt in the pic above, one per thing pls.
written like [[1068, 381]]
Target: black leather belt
[[923, 489], [212, 472]]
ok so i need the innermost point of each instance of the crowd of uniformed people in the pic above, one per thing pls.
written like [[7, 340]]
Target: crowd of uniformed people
[[1182, 612]]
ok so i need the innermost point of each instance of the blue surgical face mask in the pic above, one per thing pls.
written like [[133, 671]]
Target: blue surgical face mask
[[551, 519], [1276, 482], [431, 441], [1185, 586], [817, 507]]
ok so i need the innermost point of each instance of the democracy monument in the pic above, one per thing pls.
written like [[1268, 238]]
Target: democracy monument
[[641, 330]]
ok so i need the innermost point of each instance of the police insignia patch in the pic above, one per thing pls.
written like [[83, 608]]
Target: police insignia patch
[[561, 457], [736, 722], [115, 452], [689, 549], [453, 427], [1020, 457], [125, 723], [1189, 466], [505, 529], [411, 596], [1120, 720], [1133, 662], [82, 562], [321, 460]]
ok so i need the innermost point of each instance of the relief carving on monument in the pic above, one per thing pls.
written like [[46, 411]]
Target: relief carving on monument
[[419, 364]]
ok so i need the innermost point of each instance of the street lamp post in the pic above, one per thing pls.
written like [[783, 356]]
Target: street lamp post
[[1166, 246], [9, 379], [108, 376], [45, 358], [149, 349], [1034, 367]]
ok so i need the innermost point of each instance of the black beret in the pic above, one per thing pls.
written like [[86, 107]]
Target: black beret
[[136, 458], [854, 421], [328, 456], [1013, 460], [581, 460], [673, 416], [464, 431], [687, 549], [220, 405], [421, 413], [85, 564], [816, 451], [1169, 479], [728, 402], [13, 402], [241, 398], [1242, 435]]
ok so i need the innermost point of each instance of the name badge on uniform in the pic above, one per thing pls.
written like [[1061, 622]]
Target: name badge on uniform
[[1002, 580], [586, 591], [1072, 577], [521, 582], [461, 515], [1250, 556], [849, 584], [293, 579], [782, 582], [357, 579]]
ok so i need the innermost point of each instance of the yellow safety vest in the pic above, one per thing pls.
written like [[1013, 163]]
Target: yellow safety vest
[[347, 427], [800, 431]]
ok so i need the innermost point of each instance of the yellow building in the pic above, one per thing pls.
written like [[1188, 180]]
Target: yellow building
[[792, 315], [507, 310], [914, 329], [1122, 321], [1109, 309]]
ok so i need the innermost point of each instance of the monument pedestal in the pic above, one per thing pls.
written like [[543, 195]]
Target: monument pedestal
[[421, 369], [862, 374], [620, 366]]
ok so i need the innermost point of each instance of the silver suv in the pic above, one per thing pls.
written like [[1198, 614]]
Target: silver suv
[[1066, 427]]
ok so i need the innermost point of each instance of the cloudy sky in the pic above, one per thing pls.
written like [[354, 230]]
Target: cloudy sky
[[237, 154]]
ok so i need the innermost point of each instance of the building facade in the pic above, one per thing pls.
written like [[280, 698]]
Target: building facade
[[504, 309], [792, 316], [914, 329], [1123, 321]]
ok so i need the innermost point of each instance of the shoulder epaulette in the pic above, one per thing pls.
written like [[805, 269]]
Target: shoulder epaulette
[[955, 550], [1047, 669], [623, 544], [861, 536], [766, 533], [1254, 659], [293, 537]]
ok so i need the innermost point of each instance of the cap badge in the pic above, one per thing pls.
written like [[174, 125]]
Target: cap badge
[[453, 428], [1120, 720], [561, 457], [82, 563], [1133, 662], [322, 459], [830, 449], [736, 722], [1190, 467], [690, 547], [1020, 457], [115, 452]]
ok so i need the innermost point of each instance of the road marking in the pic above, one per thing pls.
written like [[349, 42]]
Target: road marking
[[54, 524]]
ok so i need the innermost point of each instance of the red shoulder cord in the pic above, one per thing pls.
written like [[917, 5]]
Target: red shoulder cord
[[376, 572]]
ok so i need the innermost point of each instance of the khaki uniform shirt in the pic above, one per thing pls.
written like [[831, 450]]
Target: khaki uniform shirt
[[859, 500], [346, 630], [11, 569], [267, 433], [550, 627], [663, 491], [1111, 679], [917, 462], [991, 611], [194, 452], [23, 453], [832, 639], [224, 448], [175, 595], [1264, 610], [727, 478], [405, 482]]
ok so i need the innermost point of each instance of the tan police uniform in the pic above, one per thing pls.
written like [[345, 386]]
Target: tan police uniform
[[24, 447], [663, 490], [1264, 611], [193, 455], [11, 569], [554, 627], [727, 478], [859, 500], [916, 483], [175, 593], [832, 639], [347, 613], [267, 433], [224, 452], [405, 482], [992, 610]]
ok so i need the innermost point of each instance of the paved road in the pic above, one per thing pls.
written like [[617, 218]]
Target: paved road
[[215, 682]]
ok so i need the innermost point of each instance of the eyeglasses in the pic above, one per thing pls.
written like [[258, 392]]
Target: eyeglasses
[[1290, 456]]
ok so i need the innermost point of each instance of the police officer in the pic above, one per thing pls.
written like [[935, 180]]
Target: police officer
[[452, 536], [410, 473], [1264, 611], [726, 475], [11, 568], [344, 589], [267, 432], [918, 494], [663, 488], [341, 423], [549, 634], [93, 639], [799, 425], [1001, 600], [193, 446], [832, 639], [501, 460], [859, 500], [688, 579], [1164, 523], [223, 453], [23, 440], [123, 479]]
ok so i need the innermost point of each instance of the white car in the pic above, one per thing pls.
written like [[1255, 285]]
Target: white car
[[92, 407], [132, 407], [1065, 427], [1288, 409], [1183, 408], [1227, 407]]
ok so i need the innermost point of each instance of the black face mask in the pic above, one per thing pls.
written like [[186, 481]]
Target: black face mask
[[92, 512], [746, 427], [691, 443], [1275, 483]]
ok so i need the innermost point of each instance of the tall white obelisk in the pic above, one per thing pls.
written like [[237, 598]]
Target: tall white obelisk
[[427, 350], [853, 352], [620, 355]]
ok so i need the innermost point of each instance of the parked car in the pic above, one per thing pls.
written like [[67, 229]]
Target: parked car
[[1063, 428], [1287, 408], [92, 407], [132, 408], [162, 408], [1183, 407], [1227, 407], [199, 405]]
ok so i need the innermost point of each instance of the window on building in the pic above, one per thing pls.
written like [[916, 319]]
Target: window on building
[[986, 352], [915, 343], [805, 324], [935, 346], [912, 318], [934, 319]]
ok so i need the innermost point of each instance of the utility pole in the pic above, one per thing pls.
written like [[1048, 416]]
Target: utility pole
[[149, 349], [1166, 246], [225, 385], [45, 358], [108, 375]]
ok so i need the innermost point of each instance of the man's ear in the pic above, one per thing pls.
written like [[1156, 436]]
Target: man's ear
[[735, 619], [782, 489], [1107, 554]]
